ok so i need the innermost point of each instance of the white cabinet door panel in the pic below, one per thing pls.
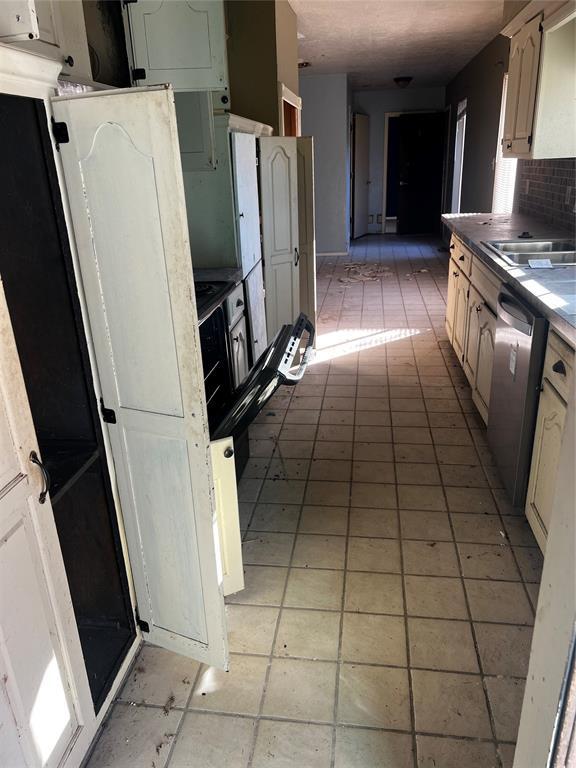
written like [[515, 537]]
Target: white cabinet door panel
[[453, 274], [18, 21], [475, 302], [182, 42], [196, 131], [460, 314], [246, 198], [256, 309], [486, 334], [123, 174], [279, 201], [306, 227]]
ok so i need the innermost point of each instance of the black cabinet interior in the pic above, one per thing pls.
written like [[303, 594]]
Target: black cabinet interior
[[37, 273]]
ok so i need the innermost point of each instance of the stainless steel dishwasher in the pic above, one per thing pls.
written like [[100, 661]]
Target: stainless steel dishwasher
[[519, 348]]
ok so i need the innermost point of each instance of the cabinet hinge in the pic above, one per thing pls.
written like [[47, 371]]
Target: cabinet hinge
[[530, 140], [143, 625], [108, 415], [60, 133], [138, 74]]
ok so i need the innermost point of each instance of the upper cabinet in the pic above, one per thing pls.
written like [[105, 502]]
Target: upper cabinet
[[182, 42], [52, 28], [540, 106]]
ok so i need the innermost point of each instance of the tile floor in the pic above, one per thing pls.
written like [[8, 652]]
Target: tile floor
[[390, 588]]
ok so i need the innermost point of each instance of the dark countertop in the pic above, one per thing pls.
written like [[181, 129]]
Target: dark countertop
[[550, 291], [218, 274]]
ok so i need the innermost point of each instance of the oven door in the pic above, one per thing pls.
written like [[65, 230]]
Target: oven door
[[284, 362]]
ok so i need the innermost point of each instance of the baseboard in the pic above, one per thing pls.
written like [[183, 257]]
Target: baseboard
[[332, 253]]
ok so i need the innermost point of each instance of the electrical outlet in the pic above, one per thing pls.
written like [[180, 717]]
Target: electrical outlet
[[568, 196], [379, 219], [371, 219]]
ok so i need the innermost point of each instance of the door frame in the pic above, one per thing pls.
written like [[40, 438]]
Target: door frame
[[32, 76]]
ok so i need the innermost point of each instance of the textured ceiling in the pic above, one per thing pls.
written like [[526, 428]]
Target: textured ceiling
[[377, 40]]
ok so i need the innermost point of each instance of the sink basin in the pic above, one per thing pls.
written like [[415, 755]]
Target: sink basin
[[559, 252]]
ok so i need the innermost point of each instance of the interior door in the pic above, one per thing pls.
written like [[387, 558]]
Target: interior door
[[361, 175], [124, 181], [40, 665], [306, 227], [182, 42], [246, 198], [279, 203], [421, 158]]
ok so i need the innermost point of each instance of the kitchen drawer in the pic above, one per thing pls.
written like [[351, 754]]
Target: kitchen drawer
[[486, 283], [461, 255], [559, 364], [235, 305]]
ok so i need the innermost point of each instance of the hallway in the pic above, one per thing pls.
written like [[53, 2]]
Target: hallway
[[390, 588]]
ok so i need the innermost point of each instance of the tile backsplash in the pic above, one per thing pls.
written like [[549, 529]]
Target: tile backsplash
[[547, 189]]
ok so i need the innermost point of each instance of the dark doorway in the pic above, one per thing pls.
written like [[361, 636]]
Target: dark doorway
[[417, 178], [42, 296]]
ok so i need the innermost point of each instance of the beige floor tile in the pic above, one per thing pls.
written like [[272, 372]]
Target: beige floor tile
[[263, 585], [374, 639], [423, 454], [301, 417], [533, 590], [256, 468], [435, 597], [335, 432], [373, 472], [407, 404], [435, 752], [327, 492], [372, 418], [251, 628], [434, 526], [292, 449], [367, 748], [463, 476], [472, 500], [530, 561], [505, 696], [305, 402], [267, 548], [373, 452], [374, 390], [211, 741], [308, 634], [337, 417], [288, 469], [157, 675], [519, 531], [320, 519], [422, 497], [430, 558], [480, 529], [504, 649], [333, 450], [239, 690], [245, 509], [281, 518], [488, 561], [265, 430], [441, 644], [342, 379], [330, 469], [463, 710], [451, 436], [499, 601], [374, 495], [319, 551], [292, 745], [372, 434], [372, 404], [309, 588], [298, 431], [412, 435], [417, 474], [301, 690], [282, 491], [338, 403], [447, 420], [374, 593], [436, 404], [409, 419], [374, 523], [506, 752], [340, 390], [374, 696], [249, 489], [135, 736], [380, 555]]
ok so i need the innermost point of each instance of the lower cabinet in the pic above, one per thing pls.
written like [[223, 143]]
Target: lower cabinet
[[460, 313], [485, 359], [453, 274], [471, 350]]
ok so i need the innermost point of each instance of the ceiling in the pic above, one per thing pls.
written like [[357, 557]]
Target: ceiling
[[377, 40]]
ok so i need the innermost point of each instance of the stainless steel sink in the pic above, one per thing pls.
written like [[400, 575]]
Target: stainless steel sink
[[560, 253]]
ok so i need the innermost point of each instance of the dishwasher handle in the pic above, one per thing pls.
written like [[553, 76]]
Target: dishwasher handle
[[514, 314]]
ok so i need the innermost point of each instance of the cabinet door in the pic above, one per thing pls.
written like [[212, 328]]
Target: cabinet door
[[246, 199], [254, 284], [306, 227], [486, 334], [460, 314], [453, 275], [124, 180], [279, 190], [182, 42], [473, 336], [545, 456], [196, 131], [40, 657], [521, 93], [239, 342]]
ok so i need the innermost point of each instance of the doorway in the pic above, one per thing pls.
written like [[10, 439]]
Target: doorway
[[458, 156], [42, 296], [360, 174]]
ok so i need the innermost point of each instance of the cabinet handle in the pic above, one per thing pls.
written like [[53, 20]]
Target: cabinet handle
[[297, 255], [239, 303], [509, 145], [69, 60], [461, 258], [452, 246], [45, 476], [479, 308], [559, 367], [456, 274], [240, 215]]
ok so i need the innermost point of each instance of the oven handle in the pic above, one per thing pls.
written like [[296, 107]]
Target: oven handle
[[303, 326], [518, 320]]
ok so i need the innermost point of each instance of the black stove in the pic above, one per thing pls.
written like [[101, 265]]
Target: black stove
[[209, 295]]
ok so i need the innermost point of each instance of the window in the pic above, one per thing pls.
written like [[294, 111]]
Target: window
[[504, 168], [458, 156]]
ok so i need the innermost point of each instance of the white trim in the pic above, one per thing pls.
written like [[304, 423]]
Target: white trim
[[332, 253], [285, 94], [245, 125], [529, 11]]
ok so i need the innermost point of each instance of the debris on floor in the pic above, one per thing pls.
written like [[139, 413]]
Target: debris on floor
[[169, 703], [358, 272]]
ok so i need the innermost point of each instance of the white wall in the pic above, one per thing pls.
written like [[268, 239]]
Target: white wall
[[376, 104], [325, 107]]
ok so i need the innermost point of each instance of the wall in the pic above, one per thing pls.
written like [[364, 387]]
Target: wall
[[547, 189], [287, 45], [376, 104], [480, 83], [325, 107]]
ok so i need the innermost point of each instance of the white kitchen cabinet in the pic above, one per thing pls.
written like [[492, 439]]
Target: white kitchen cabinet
[[240, 354], [182, 42], [52, 28], [483, 383], [462, 288], [256, 310], [473, 336], [247, 209], [306, 227], [453, 274]]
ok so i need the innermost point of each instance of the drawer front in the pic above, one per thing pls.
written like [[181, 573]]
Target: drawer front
[[486, 283], [235, 305], [559, 364], [461, 255]]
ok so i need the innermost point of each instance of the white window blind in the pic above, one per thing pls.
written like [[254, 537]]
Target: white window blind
[[504, 168]]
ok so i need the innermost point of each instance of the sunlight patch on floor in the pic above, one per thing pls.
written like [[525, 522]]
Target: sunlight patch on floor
[[349, 340]]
